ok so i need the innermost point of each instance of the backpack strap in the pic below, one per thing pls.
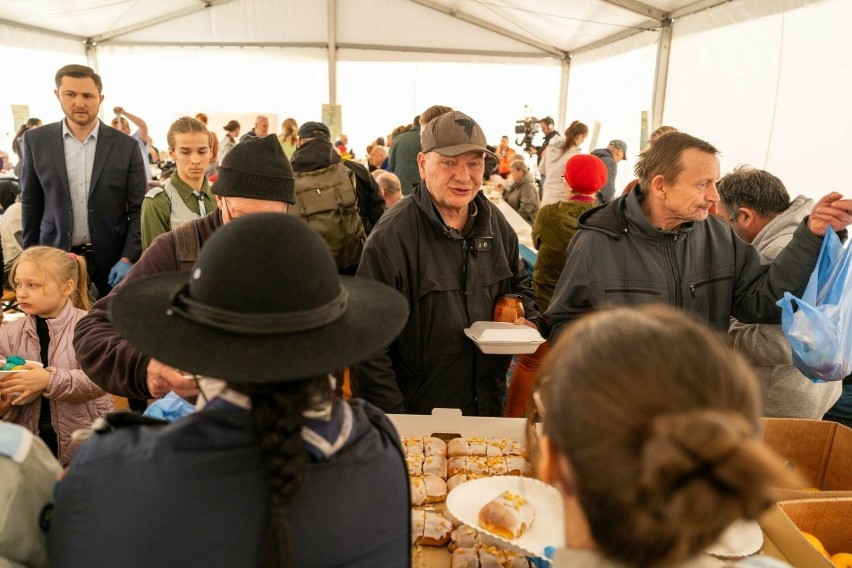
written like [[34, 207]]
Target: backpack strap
[[187, 244]]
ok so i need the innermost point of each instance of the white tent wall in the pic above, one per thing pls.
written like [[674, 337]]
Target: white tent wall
[[243, 22], [396, 23], [612, 86], [764, 80], [160, 84], [30, 60], [767, 82], [377, 96]]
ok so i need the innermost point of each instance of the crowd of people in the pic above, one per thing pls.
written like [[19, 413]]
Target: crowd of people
[[294, 296]]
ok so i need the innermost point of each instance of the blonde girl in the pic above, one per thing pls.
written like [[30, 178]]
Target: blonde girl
[[51, 396], [288, 137]]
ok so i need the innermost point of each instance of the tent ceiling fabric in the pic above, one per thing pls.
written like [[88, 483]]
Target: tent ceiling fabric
[[545, 27]]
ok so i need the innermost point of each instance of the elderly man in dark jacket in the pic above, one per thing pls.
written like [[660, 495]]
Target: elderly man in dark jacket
[[452, 254]]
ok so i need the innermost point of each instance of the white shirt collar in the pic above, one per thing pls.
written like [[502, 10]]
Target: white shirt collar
[[93, 134]]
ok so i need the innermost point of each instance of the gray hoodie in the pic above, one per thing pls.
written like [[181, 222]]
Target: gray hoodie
[[787, 392]]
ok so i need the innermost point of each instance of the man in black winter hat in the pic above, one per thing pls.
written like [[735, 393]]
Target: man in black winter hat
[[255, 177]]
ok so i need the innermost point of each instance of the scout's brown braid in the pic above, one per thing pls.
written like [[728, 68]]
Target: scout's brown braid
[[277, 412]]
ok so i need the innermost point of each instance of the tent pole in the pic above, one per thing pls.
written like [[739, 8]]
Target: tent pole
[[563, 92], [661, 74], [92, 54], [332, 53]]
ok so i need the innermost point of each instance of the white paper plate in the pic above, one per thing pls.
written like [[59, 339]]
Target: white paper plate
[[4, 373], [465, 501], [14, 395], [741, 539], [500, 338]]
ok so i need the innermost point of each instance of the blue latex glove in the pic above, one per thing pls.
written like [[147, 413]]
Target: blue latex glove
[[541, 562], [118, 272], [170, 408]]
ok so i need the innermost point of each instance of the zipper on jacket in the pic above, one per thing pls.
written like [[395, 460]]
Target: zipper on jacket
[[706, 282], [632, 291], [670, 246], [464, 266]]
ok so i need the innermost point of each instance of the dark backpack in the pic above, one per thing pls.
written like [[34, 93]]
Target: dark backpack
[[326, 199]]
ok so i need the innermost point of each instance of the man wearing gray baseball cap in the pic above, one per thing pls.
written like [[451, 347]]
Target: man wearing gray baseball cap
[[452, 254]]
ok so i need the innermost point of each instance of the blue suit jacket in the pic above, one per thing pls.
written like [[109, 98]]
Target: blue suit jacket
[[116, 191]]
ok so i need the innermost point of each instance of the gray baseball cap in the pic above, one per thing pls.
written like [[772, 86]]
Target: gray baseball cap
[[620, 144], [451, 134]]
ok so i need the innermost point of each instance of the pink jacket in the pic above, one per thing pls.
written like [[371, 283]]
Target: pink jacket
[[75, 401]]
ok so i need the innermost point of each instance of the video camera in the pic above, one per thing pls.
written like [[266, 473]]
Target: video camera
[[529, 127]]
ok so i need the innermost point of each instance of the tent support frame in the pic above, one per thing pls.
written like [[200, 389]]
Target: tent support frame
[[332, 52], [661, 75]]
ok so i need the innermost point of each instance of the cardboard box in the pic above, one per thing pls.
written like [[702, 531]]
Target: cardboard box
[[448, 423], [819, 451], [826, 519]]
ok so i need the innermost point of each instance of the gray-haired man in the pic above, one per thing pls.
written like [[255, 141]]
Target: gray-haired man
[[756, 205], [452, 254]]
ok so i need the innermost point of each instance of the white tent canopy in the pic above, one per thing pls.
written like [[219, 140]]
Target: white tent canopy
[[743, 74]]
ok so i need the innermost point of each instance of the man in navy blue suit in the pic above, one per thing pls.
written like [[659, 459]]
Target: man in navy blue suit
[[83, 183]]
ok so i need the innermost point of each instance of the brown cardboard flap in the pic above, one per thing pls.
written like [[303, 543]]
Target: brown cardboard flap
[[782, 540], [826, 519], [805, 444], [838, 471]]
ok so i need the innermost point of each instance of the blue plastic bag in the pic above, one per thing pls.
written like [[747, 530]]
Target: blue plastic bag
[[818, 324], [170, 408]]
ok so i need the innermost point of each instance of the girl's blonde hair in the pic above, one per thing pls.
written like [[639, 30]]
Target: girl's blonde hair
[[62, 267]]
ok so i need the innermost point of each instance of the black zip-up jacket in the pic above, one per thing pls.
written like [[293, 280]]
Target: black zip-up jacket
[[450, 281], [618, 258], [319, 153]]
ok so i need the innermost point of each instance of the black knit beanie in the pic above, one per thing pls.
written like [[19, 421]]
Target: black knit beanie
[[257, 169]]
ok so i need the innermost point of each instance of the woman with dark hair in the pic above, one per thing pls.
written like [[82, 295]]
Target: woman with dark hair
[[655, 456], [559, 151], [232, 134], [274, 470], [17, 142]]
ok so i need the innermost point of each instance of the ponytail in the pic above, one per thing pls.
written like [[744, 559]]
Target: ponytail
[[80, 296], [574, 131]]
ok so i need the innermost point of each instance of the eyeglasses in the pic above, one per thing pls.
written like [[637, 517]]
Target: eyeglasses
[[451, 164]]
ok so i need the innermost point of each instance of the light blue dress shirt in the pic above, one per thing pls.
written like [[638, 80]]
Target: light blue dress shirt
[[79, 162]]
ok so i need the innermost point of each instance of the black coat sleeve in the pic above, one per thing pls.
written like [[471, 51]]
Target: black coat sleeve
[[371, 205]]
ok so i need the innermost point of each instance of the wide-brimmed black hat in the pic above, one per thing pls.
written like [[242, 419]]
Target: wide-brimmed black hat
[[262, 304]]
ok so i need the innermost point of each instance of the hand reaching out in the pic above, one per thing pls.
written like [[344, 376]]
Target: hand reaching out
[[163, 379], [830, 211]]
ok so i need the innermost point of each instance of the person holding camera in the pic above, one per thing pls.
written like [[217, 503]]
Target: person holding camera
[[553, 163]]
